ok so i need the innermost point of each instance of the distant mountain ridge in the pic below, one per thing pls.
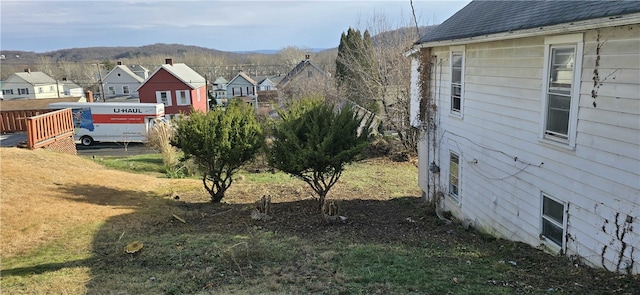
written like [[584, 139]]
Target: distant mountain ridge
[[112, 53], [120, 52]]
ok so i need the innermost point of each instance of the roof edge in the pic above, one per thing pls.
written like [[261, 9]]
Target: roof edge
[[628, 19]]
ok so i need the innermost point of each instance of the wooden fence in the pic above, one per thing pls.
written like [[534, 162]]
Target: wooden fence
[[16, 121], [45, 129]]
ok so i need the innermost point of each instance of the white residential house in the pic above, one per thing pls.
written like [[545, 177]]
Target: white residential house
[[30, 85], [70, 89], [219, 87], [530, 121], [242, 85], [124, 80], [305, 70], [266, 84]]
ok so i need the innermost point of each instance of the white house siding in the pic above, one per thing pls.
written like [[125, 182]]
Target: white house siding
[[240, 87], [14, 83], [506, 166], [125, 79], [415, 122]]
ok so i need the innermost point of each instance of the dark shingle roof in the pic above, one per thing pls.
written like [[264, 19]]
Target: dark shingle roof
[[293, 73], [491, 17]]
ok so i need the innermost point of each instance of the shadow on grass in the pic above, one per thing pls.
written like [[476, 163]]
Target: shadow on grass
[[394, 246], [46, 267], [107, 196]]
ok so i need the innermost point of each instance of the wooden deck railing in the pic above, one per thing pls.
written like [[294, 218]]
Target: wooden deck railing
[[15, 121], [50, 127]]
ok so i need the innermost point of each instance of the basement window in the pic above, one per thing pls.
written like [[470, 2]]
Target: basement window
[[454, 175], [553, 219]]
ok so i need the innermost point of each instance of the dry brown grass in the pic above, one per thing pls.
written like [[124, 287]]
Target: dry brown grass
[[35, 204], [160, 138]]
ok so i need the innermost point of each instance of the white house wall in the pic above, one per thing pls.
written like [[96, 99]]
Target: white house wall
[[16, 83], [125, 79], [506, 166], [238, 83]]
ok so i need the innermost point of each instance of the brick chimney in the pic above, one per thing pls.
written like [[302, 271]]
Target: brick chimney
[[27, 71], [168, 61], [307, 57], [119, 63], [89, 95]]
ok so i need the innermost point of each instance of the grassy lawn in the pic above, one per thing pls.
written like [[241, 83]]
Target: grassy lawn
[[65, 234]]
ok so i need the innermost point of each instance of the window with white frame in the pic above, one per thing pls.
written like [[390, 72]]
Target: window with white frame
[[40, 90], [454, 175], [164, 97], [7, 91], [457, 73], [111, 90], [125, 89], [52, 89], [563, 62], [23, 90], [183, 97], [553, 218]]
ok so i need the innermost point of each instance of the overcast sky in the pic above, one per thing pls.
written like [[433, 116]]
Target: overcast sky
[[43, 26]]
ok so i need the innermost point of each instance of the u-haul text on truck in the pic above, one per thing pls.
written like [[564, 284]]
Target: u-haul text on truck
[[115, 122]]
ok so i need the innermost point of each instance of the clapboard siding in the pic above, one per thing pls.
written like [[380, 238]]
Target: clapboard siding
[[613, 161], [618, 90], [526, 115], [622, 61], [615, 118], [611, 75], [627, 134], [602, 144], [608, 103], [506, 165]]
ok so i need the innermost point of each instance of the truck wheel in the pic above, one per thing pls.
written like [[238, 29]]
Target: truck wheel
[[86, 140]]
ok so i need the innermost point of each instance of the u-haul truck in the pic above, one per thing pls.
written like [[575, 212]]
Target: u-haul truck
[[115, 122]]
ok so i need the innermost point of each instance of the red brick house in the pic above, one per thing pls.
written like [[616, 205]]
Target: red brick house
[[178, 86]]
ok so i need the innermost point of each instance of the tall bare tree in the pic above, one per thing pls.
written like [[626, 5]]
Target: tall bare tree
[[388, 84]]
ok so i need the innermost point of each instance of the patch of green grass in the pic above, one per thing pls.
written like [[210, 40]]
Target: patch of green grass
[[53, 268], [388, 180], [410, 270], [266, 178], [146, 163]]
